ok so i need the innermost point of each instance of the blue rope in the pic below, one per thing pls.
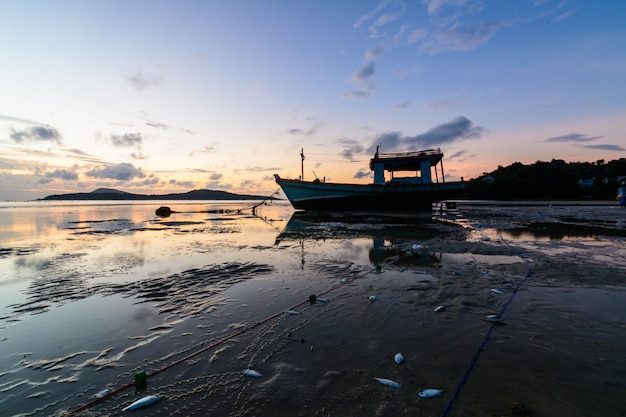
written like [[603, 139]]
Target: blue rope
[[484, 342]]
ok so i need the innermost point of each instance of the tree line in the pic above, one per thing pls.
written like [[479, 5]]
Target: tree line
[[556, 179]]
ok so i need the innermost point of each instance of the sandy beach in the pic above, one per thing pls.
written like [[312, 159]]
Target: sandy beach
[[493, 309]]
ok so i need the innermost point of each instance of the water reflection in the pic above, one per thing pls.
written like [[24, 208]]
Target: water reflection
[[396, 237]]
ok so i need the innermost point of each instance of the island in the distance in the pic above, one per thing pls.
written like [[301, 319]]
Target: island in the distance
[[113, 194]]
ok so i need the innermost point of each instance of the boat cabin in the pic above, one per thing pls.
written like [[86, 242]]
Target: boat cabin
[[421, 163]]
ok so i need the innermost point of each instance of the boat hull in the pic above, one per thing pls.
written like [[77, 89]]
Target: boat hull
[[322, 196]]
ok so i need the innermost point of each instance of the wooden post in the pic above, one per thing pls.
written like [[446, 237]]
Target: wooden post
[[302, 163]]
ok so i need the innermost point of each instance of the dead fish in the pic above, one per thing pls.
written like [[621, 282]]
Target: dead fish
[[429, 393], [372, 298], [389, 382], [322, 300], [399, 358], [252, 373], [101, 394], [497, 291], [439, 309], [144, 402], [292, 312], [344, 280], [492, 318]]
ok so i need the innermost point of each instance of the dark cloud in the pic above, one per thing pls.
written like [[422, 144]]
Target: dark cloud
[[462, 155], [351, 147], [120, 172], [606, 147], [215, 177], [182, 184], [365, 72], [36, 134], [308, 132], [127, 140], [63, 174], [362, 174], [455, 130], [573, 137]]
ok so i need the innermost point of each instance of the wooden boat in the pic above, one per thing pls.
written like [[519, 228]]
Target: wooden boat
[[396, 193]]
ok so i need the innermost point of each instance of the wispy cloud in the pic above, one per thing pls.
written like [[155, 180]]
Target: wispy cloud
[[606, 147], [7, 118], [359, 94], [573, 137], [461, 37], [142, 80], [578, 139], [457, 129]]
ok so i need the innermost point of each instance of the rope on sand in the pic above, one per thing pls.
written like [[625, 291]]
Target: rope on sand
[[221, 341], [484, 343]]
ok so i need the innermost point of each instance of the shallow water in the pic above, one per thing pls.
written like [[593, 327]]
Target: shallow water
[[92, 293]]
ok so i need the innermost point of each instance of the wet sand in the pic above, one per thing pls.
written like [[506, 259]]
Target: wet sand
[[556, 349]]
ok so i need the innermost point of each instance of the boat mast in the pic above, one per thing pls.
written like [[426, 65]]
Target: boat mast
[[302, 163]]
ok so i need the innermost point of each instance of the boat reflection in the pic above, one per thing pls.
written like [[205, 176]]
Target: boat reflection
[[396, 237]]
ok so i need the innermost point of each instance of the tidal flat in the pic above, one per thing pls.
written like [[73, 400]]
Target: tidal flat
[[532, 297]]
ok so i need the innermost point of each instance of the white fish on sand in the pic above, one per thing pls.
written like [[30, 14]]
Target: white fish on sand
[[497, 291], [292, 312], [144, 402], [389, 382], [252, 373], [101, 394], [372, 298], [430, 393], [322, 300], [439, 309], [399, 358]]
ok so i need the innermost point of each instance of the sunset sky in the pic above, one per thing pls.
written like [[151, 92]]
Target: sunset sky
[[169, 96]]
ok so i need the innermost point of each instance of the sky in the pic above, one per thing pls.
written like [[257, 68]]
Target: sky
[[158, 97]]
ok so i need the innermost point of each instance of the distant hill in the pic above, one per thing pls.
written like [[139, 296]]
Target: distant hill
[[112, 194]]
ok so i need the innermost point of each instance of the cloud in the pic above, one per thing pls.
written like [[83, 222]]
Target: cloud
[[182, 184], [401, 106], [457, 129], [311, 131], [606, 147], [461, 155], [36, 134], [119, 172], [215, 177], [357, 94], [127, 140], [7, 118], [365, 72], [573, 137], [362, 174], [63, 174], [361, 20], [460, 37], [351, 147], [416, 35], [433, 6], [142, 80]]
